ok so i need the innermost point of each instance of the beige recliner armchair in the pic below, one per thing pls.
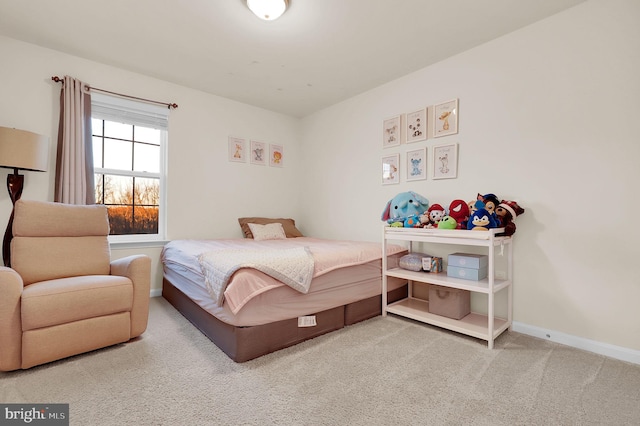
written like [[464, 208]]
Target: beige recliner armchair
[[62, 295]]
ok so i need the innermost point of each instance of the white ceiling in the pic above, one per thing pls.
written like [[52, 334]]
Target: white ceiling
[[318, 53]]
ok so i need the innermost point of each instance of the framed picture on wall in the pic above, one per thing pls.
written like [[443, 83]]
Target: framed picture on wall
[[258, 153], [445, 161], [416, 125], [276, 155], [417, 164], [237, 150], [391, 132], [391, 169], [445, 118]]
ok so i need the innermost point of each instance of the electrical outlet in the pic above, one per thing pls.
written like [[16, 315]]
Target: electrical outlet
[[501, 275]]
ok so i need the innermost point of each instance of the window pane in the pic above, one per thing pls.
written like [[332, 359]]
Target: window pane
[[118, 189], [96, 127], [146, 158], [99, 181], [97, 152], [118, 130], [146, 220], [120, 220], [117, 154], [147, 192], [146, 134]]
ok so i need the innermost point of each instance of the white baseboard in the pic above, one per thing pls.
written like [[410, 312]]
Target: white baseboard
[[156, 292], [617, 352]]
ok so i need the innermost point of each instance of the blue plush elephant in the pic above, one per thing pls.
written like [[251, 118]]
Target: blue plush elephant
[[404, 205]]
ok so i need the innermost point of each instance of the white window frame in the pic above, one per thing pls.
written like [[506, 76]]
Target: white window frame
[[112, 108]]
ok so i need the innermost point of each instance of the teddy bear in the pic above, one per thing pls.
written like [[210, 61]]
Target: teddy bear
[[506, 212], [403, 206]]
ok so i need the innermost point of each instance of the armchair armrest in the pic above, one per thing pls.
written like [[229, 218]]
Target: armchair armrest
[[11, 287], [138, 269]]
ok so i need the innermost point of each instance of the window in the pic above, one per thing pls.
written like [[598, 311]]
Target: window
[[129, 146]]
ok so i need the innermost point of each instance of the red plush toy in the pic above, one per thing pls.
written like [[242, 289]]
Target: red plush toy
[[507, 211], [459, 210], [436, 212]]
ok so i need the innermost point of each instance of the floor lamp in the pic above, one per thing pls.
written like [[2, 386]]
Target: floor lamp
[[20, 150]]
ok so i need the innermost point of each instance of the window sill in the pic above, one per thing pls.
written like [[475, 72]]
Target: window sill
[[137, 244]]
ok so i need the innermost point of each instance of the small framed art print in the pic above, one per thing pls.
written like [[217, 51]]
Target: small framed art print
[[237, 150], [391, 132], [445, 118], [391, 169], [445, 161], [416, 125], [258, 153], [417, 164], [276, 155]]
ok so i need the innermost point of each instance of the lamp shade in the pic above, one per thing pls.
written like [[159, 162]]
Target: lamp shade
[[23, 150], [268, 9]]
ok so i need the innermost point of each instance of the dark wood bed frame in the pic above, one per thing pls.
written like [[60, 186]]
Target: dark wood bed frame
[[245, 343]]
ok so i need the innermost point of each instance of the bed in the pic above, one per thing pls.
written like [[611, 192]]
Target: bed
[[255, 314]]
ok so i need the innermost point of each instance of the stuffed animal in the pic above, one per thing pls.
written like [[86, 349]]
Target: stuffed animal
[[436, 212], [506, 212], [412, 221], [474, 205], [448, 222], [459, 211], [490, 202], [403, 205], [481, 220]]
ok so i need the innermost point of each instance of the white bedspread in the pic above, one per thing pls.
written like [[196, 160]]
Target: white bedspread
[[247, 284], [292, 266]]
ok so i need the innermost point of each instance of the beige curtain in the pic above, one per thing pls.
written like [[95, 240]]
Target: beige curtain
[[74, 164]]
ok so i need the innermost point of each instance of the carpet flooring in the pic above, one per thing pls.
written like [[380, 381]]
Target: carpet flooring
[[384, 371]]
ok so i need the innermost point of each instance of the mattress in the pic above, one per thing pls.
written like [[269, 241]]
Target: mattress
[[253, 298]]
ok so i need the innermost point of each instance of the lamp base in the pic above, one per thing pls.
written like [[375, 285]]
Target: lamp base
[[15, 183]]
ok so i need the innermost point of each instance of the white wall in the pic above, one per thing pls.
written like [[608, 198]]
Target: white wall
[[548, 117], [206, 192]]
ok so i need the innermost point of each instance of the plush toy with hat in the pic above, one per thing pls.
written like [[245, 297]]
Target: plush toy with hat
[[435, 212], [506, 212], [403, 206]]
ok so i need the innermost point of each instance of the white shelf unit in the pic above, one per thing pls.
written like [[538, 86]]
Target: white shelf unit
[[487, 327]]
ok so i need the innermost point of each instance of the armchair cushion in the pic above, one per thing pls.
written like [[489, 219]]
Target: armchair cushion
[[55, 240], [72, 299], [38, 259]]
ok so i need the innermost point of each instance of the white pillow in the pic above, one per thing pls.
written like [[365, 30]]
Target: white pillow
[[271, 231]]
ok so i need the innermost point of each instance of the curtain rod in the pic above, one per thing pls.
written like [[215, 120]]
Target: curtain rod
[[169, 105]]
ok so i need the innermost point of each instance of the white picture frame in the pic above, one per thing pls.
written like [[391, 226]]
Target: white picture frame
[[445, 161], [416, 125], [258, 153], [391, 132], [391, 169], [276, 155], [445, 118], [417, 164], [237, 149]]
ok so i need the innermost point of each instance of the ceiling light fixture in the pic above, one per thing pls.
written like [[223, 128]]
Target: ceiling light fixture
[[268, 10]]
